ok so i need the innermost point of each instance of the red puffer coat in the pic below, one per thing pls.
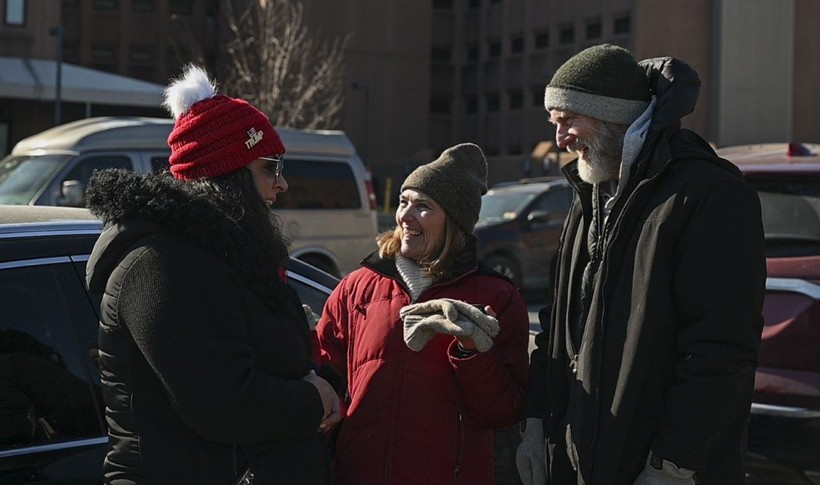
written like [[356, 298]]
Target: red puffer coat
[[428, 416]]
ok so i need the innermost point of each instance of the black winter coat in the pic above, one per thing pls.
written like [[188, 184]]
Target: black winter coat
[[201, 370], [671, 330]]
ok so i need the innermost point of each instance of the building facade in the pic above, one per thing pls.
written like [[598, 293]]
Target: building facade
[[424, 75]]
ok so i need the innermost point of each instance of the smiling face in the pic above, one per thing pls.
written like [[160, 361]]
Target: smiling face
[[267, 182], [423, 226], [597, 146]]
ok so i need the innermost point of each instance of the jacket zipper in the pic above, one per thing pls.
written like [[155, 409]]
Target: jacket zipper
[[604, 275], [459, 444]]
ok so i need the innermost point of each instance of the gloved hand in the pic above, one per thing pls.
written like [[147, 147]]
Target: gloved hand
[[312, 317], [669, 474], [453, 317], [419, 329], [530, 458]]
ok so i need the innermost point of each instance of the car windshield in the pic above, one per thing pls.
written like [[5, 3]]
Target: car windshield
[[502, 206], [791, 212], [23, 177]]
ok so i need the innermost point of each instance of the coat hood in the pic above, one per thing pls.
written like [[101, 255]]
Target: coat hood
[[676, 85]]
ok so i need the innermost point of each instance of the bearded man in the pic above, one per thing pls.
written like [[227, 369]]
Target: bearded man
[[644, 371]]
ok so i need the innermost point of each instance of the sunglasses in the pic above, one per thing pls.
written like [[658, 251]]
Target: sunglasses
[[274, 164]]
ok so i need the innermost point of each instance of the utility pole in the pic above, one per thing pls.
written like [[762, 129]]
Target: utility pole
[[58, 85]]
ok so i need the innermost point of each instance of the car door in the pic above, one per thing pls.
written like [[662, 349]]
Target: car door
[[544, 220], [51, 412]]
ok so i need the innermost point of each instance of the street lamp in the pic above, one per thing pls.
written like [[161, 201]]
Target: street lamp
[[58, 86]]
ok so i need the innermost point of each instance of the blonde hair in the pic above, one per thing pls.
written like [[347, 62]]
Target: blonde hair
[[453, 251]]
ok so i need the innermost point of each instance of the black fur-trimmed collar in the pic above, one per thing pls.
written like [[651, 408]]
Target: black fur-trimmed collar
[[133, 205]]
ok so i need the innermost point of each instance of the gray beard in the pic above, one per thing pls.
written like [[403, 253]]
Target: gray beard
[[603, 155]]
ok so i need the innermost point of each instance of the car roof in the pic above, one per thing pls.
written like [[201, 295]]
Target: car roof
[[532, 184], [774, 157], [20, 218], [135, 132], [24, 220]]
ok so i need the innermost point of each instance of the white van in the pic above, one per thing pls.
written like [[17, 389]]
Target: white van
[[329, 211]]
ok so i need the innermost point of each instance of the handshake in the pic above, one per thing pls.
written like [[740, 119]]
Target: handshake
[[422, 321]]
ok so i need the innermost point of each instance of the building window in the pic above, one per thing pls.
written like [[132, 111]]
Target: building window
[[471, 104], [16, 12], [105, 5], [566, 35], [594, 29], [183, 7], [443, 4], [542, 40], [516, 98], [104, 55], [517, 44], [440, 105], [623, 25], [493, 102], [472, 53], [494, 49], [142, 55], [538, 96], [143, 6], [440, 54]]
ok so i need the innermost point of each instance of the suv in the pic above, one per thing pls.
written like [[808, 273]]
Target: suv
[[329, 212], [519, 227], [52, 428], [784, 429]]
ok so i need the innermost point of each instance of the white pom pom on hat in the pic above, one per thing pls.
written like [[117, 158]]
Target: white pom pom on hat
[[214, 134]]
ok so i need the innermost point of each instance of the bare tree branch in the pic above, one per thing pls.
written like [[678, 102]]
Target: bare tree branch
[[276, 64]]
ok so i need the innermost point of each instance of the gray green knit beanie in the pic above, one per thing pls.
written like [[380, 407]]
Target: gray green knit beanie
[[603, 82], [456, 180]]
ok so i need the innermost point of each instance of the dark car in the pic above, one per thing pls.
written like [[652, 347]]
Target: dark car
[[519, 227], [52, 427], [784, 429]]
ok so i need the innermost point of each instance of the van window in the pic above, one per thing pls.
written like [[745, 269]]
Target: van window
[[86, 167], [316, 184], [21, 177], [160, 164]]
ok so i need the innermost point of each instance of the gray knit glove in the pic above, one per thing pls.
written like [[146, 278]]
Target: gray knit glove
[[669, 474], [424, 320], [530, 458]]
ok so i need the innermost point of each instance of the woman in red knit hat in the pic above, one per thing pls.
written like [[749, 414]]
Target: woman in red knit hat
[[204, 350]]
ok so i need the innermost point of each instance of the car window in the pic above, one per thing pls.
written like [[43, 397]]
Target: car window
[[317, 184], [83, 170], [501, 205], [790, 205], [23, 177], [555, 201], [46, 392]]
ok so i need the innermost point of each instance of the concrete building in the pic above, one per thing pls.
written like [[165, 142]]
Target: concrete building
[[423, 75]]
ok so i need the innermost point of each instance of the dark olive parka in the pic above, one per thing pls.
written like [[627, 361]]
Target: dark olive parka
[[671, 329]]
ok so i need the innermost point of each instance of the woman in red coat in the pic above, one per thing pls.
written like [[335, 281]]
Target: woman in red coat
[[433, 345]]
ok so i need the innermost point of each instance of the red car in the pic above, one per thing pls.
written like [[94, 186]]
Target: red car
[[784, 429]]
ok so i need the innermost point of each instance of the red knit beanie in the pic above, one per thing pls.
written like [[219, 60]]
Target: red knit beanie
[[214, 134]]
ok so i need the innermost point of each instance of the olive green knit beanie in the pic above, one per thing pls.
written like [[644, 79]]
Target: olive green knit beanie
[[456, 180], [603, 82]]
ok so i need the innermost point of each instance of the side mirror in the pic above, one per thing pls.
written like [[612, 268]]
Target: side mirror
[[71, 194]]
